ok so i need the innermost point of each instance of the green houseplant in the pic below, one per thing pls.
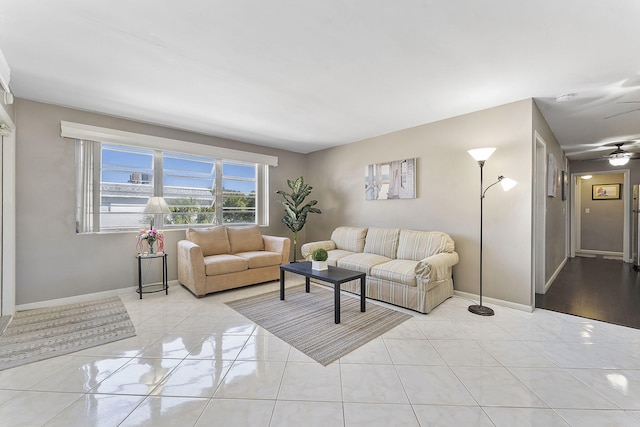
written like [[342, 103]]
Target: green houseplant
[[319, 259], [295, 210]]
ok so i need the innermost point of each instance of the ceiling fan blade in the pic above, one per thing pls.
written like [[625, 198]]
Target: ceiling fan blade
[[624, 112]]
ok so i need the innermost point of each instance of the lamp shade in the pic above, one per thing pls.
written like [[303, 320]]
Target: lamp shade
[[481, 154], [156, 205], [507, 183]]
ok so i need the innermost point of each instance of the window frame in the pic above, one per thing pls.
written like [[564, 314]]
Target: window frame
[[98, 136]]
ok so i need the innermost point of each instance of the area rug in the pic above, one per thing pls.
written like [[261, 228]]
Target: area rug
[[39, 334], [306, 321]]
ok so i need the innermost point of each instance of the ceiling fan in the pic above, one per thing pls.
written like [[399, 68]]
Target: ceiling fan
[[619, 157]]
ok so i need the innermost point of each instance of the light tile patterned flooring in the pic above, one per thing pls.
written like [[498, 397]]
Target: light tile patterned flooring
[[195, 362]]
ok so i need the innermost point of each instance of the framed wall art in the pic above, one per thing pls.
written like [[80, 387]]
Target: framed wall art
[[552, 175], [390, 180], [605, 191]]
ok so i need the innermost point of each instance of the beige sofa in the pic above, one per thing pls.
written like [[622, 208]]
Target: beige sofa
[[219, 258], [408, 268]]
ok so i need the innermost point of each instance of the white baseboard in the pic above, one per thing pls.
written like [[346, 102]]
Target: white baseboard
[[81, 298], [494, 301], [589, 253], [554, 275]]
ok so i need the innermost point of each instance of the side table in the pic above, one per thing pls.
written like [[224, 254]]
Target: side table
[[155, 287]]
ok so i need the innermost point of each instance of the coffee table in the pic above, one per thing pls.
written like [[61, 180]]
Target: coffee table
[[334, 275]]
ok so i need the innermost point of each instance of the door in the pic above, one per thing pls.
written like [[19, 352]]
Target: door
[[540, 215], [7, 215]]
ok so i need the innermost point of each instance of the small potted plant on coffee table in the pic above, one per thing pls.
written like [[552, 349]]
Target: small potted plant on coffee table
[[319, 259]]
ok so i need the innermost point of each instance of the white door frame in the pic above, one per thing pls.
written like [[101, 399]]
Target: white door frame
[[8, 218], [576, 245], [539, 213]]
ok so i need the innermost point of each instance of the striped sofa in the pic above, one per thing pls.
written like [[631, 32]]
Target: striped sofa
[[408, 268]]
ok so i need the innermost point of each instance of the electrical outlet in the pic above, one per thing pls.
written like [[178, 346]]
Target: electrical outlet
[[587, 210]]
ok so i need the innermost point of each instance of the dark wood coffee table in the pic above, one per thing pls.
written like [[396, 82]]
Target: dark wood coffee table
[[334, 275]]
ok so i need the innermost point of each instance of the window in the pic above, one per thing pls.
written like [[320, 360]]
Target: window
[[202, 184], [115, 181]]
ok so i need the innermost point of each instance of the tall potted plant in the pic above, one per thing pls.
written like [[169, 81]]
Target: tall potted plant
[[295, 210]]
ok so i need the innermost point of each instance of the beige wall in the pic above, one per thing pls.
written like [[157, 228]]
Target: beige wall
[[52, 260], [557, 210], [448, 193]]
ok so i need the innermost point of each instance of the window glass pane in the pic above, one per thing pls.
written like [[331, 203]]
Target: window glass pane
[[189, 189], [239, 193], [127, 183], [240, 170]]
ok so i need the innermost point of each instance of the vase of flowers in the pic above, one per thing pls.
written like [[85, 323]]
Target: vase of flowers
[[151, 237]]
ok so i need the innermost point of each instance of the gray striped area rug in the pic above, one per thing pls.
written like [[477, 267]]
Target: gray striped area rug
[[39, 334], [306, 320]]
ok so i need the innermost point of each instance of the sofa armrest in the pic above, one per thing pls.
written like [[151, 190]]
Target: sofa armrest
[[191, 267], [281, 245], [308, 248], [436, 267]]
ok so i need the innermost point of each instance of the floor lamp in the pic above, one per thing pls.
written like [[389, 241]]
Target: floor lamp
[[481, 155]]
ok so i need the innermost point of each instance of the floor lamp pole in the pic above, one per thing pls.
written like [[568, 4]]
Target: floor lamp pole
[[480, 309]]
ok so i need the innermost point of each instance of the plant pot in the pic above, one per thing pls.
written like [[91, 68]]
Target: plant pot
[[319, 265]]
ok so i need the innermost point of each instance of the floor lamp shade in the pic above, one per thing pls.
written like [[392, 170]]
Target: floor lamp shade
[[156, 205], [481, 155]]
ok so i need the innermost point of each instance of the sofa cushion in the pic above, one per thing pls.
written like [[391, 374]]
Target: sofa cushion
[[335, 255], [213, 241], [222, 264], [397, 270], [382, 241], [245, 239], [362, 262], [259, 259], [349, 238], [417, 245]]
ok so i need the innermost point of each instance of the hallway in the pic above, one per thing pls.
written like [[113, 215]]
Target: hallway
[[596, 288]]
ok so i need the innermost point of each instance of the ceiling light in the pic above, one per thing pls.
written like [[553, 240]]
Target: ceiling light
[[619, 159], [586, 176]]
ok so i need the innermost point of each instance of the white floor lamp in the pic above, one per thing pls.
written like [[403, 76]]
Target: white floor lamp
[[481, 155]]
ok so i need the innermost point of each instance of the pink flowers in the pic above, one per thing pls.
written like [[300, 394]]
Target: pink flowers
[[150, 236]]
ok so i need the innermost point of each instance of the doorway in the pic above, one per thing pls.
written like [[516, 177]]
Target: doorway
[[540, 214], [601, 224]]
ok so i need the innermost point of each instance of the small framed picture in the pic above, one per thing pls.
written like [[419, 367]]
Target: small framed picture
[[605, 191]]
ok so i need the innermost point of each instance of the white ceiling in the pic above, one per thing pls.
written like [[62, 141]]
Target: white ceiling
[[304, 75]]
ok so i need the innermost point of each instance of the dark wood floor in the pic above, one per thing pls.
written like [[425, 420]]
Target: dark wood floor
[[596, 288]]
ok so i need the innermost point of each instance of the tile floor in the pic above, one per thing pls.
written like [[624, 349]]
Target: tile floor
[[195, 362]]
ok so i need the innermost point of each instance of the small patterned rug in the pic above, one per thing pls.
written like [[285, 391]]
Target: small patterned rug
[[39, 334], [306, 320]]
